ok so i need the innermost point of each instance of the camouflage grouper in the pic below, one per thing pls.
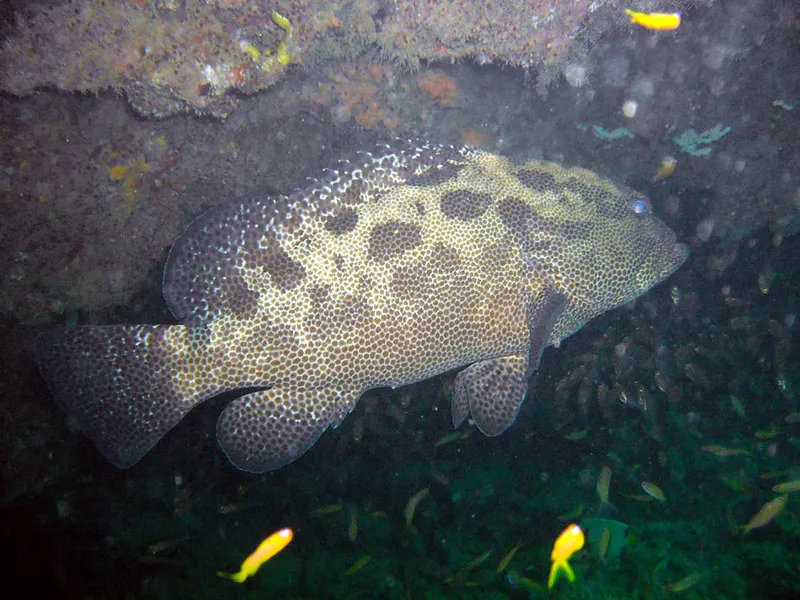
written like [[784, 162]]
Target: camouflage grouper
[[397, 266]]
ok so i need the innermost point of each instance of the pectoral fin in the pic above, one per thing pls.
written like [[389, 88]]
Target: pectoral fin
[[492, 392], [542, 313], [268, 429]]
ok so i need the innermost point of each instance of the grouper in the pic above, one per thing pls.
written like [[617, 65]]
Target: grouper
[[403, 263]]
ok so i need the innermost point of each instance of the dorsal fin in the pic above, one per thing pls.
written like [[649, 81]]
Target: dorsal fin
[[202, 278]]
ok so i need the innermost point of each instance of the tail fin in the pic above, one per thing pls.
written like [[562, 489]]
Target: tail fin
[[116, 382], [557, 567]]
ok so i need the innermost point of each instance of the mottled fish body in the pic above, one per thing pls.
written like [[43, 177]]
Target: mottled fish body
[[397, 266]]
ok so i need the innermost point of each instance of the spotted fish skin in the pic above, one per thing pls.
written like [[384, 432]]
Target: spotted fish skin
[[394, 267]]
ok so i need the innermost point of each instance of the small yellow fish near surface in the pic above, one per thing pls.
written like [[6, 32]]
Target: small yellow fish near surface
[[266, 550], [659, 21], [668, 166], [568, 543], [769, 511]]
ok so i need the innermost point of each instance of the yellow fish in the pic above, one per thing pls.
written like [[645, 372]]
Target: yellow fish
[[769, 511], [568, 543], [653, 490], [411, 507], [603, 484], [358, 565], [602, 548], [452, 437], [787, 487], [506, 560], [723, 451], [684, 584], [658, 21], [668, 166], [266, 550]]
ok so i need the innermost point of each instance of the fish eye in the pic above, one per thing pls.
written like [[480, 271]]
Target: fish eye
[[640, 206]]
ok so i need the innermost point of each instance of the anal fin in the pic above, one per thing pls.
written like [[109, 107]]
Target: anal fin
[[268, 429]]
